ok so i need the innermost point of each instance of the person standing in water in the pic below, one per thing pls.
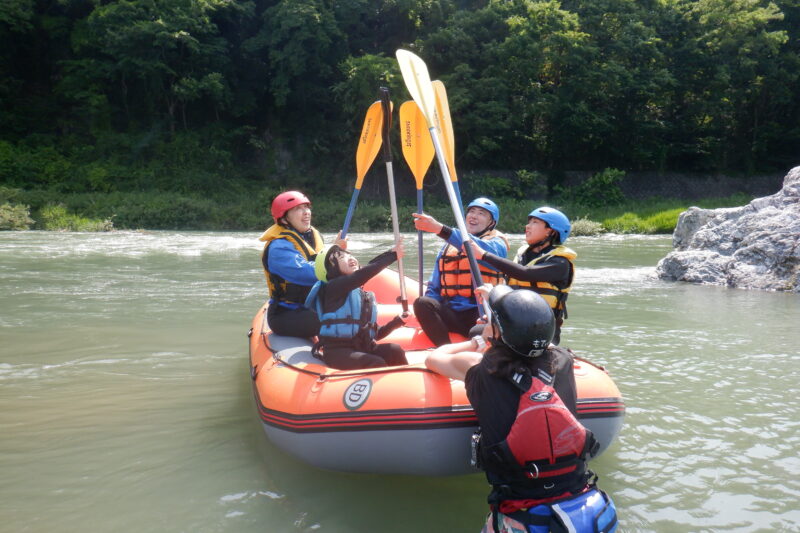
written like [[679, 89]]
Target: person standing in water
[[530, 444]]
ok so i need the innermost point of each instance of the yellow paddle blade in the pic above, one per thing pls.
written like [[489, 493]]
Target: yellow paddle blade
[[416, 141], [418, 83], [445, 127], [370, 141]]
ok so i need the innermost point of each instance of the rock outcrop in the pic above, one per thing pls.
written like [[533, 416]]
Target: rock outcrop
[[756, 246]]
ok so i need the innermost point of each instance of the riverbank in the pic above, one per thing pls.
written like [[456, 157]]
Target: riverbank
[[239, 211]]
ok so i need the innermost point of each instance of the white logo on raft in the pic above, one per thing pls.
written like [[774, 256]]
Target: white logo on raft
[[357, 393], [541, 396]]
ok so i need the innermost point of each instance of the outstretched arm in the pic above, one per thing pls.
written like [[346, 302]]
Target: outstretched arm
[[553, 269], [339, 287]]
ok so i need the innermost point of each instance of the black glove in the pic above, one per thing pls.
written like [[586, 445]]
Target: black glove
[[396, 322], [393, 324]]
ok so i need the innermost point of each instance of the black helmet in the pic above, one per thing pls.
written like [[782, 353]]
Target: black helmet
[[523, 320], [497, 292]]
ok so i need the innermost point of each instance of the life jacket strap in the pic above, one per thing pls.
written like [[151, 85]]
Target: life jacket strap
[[332, 321]]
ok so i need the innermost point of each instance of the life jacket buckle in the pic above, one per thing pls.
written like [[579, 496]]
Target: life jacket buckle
[[474, 460], [534, 475]]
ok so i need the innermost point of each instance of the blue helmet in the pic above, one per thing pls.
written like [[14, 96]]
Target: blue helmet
[[555, 219], [485, 203]]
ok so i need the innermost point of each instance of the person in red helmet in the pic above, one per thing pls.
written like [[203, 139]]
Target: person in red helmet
[[290, 246]]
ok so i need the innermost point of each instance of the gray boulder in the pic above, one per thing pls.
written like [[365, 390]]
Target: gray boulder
[[756, 246]]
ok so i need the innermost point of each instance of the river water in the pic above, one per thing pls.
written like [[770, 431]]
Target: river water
[[125, 400]]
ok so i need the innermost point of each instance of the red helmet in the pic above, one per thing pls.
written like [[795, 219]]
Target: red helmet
[[285, 201]]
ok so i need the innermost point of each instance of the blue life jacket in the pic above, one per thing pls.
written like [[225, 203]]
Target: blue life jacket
[[356, 319], [592, 511]]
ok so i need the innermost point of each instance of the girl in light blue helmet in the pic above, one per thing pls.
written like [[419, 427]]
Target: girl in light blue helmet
[[543, 264]]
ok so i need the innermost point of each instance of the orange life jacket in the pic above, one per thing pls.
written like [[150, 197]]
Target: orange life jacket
[[455, 277]]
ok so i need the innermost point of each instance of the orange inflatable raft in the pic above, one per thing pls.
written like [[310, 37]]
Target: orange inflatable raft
[[395, 420]]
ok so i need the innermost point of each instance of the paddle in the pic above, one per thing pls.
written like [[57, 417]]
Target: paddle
[[418, 152], [445, 126], [418, 82], [368, 145], [386, 106]]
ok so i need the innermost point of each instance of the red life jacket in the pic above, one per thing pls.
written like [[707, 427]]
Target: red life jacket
[[545, 451]]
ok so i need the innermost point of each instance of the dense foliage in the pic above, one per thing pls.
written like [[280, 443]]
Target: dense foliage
[[201, 96]]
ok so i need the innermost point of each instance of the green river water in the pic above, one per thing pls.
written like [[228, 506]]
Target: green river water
[[125, 399]]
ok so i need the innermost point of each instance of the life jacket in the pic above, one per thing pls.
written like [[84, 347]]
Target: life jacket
[[455, 276], [352, 324], [591, 511], [553, 295], [279, 288], [544, 454]]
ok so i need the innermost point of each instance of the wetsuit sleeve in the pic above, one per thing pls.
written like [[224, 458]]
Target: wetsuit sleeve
[[389, 327], [552, 270], [337, 289], [285, 261], [495, 402]]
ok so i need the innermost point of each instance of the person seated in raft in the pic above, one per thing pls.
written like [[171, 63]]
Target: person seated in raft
[[449, 302], [543, 264], [290, 246], [530, 444], [347, 313]]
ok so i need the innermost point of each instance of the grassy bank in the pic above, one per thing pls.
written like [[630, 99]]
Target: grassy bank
[[240, 211]]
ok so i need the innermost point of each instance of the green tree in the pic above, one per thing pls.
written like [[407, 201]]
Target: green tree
[[301, 40], [362, 76], [547, 59], [155, 56], [464, 55], [739, 85], [626, 83]]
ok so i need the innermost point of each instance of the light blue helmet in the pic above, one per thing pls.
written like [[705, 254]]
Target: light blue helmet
[[555, 219], [485, 203]]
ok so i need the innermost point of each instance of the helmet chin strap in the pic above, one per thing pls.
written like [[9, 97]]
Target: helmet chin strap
[[485, 230], [497, 333], [286, 224], [305, 234]]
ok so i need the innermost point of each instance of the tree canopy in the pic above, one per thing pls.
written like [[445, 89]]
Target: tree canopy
[[273, 89]]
